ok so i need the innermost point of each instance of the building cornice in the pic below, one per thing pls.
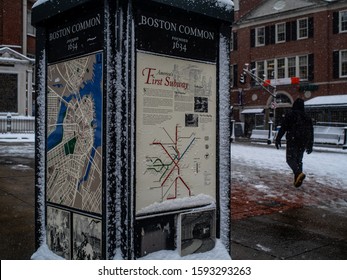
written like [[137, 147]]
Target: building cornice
[[295, 13]]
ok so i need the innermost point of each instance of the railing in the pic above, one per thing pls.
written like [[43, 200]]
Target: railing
[[331, 135], [262, 134], [13, 123]]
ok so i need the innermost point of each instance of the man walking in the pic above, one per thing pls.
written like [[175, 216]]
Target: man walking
[[299, 129]]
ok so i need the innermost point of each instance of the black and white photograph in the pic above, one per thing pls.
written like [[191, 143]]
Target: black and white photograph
[[192, 120], [201, 104], [196, 231], [86, 238], [59, 231]]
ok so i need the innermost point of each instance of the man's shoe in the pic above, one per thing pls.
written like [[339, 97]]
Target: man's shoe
[[299, 179]]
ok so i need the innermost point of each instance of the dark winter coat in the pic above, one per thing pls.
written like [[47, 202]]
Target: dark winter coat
[[298, 127]]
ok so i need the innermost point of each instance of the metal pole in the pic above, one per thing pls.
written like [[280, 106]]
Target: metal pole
[[232, 137], [269, 140]]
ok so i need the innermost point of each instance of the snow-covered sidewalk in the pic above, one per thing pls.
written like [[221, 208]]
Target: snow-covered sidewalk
[[262, 182], [17, 137]]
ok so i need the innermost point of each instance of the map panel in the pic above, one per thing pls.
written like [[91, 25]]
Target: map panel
[[176, 130], [74, 133]]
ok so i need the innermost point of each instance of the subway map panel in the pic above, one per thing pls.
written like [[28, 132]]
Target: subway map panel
[[74, 133], [176, 130]]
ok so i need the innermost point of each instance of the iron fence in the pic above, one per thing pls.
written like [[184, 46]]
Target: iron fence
[[13, 123]]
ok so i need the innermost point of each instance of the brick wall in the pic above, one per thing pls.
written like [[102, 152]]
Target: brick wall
[[12, 22]]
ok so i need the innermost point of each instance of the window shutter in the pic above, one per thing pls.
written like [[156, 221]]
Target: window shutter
[[288, 31], [252, 38], [310, 67], [272, 34], [336, 64], [267, 35], [293, 31], [310, 27], [335, 22], [235, 76], [235, 41]]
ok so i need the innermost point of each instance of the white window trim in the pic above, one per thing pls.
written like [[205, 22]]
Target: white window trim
[[256, 36], [298, 28], [29, 23], [340, 22], [286, 65], [284, 39], [266, 70], [298, 67], [340, 64], [256, 65]]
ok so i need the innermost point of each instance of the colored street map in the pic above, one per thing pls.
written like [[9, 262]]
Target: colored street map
[[74, 133]]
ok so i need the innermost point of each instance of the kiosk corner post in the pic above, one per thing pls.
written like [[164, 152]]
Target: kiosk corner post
[[40, 137], [225, 132]]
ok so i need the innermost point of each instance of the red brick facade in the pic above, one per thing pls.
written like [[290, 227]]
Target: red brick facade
[[11, 26], [17, 50], [321, 47]]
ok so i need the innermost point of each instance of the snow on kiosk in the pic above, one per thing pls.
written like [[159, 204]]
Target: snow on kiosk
[[132, 144]]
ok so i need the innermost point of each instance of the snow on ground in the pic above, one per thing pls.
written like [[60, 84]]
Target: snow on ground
[[325, 168], [17, 149], [17, 137], [261, 176], [328, 166], [217, 253]]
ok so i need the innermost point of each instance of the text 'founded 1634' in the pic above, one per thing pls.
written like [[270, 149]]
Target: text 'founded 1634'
[[176, 36], [76, 37]]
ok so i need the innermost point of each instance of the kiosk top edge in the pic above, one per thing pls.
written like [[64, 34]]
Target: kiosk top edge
[[218, 9]]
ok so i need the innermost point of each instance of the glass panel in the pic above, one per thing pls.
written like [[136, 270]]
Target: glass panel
[[303, 28], [281, 68], [291, 67], [303, 67], [281, 32], [343, 63], [343, 18]]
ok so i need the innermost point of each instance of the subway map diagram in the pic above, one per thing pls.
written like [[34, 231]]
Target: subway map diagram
[[168, 167], [74, 133]]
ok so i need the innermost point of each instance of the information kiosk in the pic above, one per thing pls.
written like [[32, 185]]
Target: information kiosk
[[133, 127]]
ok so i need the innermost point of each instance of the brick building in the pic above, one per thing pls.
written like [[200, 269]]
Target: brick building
[[17, 50], [283, 39]]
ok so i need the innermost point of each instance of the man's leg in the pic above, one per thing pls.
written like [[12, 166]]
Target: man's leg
[[292, 158]]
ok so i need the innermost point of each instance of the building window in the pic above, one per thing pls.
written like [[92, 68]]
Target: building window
[[291, 66], [296, 66], [302, 28], [343, 21], [270, 69], [281, 68], [303, 67], [343, 63], [260, 69], [280, 32], [260, 36], [30, 28]]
